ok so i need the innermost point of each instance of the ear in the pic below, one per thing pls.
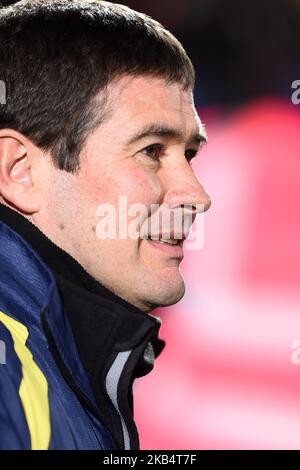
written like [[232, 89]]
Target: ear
[[18, 177]]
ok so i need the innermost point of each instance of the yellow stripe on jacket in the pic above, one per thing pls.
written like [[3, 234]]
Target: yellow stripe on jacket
[[33, 389]]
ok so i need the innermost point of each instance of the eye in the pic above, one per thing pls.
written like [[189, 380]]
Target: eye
[[190, 154], [153, 151]]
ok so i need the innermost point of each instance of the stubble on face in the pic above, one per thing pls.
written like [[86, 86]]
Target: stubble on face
[[110, 167]]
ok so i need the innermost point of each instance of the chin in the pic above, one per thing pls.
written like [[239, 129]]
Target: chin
[[165, 295]]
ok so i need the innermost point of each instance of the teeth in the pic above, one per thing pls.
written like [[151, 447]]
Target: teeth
[[171, 242]]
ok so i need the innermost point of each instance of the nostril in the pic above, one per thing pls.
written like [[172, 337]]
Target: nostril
[[196, 208]]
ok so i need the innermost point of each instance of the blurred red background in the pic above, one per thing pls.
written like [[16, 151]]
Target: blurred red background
[[228, 378]]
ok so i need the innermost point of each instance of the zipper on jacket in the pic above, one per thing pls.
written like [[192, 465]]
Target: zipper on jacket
[[67, 375]]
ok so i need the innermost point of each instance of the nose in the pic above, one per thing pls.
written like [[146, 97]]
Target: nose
[[183, 188]]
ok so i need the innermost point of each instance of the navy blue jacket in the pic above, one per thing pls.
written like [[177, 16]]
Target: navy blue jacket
[[38, 407]]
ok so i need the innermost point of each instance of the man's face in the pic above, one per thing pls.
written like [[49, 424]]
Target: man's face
[[139, 152]]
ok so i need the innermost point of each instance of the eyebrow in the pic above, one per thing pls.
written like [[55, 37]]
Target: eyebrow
[[158, 130]]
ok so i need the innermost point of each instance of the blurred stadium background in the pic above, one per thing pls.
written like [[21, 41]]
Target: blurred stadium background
[[229, 377]]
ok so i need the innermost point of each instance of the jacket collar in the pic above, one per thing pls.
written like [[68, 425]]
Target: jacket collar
[[122, 322]]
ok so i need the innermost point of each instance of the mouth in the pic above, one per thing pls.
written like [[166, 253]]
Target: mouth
[[169, 241], [172, 247]]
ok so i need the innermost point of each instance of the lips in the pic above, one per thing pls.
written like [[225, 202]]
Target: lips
[[167, 236], [169, 241], [170, 249]]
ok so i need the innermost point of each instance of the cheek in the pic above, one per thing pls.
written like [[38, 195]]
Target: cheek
[[142, 186], [138, 185]]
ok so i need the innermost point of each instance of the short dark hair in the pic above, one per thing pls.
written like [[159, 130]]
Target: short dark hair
[[56, 56]]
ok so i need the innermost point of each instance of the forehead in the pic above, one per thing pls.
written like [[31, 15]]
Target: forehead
[[135, 101]]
